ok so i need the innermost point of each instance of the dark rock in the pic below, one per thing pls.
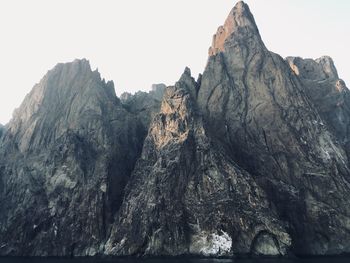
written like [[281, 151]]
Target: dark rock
[[328, 93], [65, 159], [249, 159], [144, 105], [256, 108], [186, 197]]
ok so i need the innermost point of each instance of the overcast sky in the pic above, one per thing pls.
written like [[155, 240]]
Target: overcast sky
[[136, 43]]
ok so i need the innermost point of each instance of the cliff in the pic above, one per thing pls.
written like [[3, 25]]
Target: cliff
[[251, 158]]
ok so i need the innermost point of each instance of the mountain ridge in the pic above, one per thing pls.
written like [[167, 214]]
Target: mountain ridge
[[251, 158]]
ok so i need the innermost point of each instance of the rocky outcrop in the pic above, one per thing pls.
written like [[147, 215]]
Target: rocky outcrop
[[144, 105], [257, 109], [186, 197], [157, 91], [65, 159], [249, 159], [328, 93]]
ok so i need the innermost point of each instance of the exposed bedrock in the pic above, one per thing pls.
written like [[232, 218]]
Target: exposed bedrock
[[257, 108], [252, 158]]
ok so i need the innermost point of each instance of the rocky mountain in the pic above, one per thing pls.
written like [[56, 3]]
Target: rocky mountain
[[65, 159], [328, 93], [186, 197], [251, 158], [257, 108]]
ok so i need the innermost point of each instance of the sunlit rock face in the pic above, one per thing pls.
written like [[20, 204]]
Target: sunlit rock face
[[185, 196], [239, 22], [250, 159], [257, 107]]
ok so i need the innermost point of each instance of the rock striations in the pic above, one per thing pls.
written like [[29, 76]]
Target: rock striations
[[186, 197], [257, 108], [144, 105], [328, 93], [65, 159], [252, 158]]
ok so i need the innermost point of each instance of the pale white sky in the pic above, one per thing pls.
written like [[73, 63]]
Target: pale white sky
[[137, 43]]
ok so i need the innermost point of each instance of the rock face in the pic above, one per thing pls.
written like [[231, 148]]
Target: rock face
[[252, 158], [65, 159], [328, 93], [145, 105], [186, 197], [257, 109]]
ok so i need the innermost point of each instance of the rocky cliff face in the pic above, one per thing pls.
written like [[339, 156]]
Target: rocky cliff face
[[65, 159], [257, 108], [249, 159], [186, 197], [328, 93], [145, 105]]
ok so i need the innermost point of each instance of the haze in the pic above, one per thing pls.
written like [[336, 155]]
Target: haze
[[137, 43]]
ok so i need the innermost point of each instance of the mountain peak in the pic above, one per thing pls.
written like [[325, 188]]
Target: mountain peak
[[239, 23], [240, 6], [248, 160], [59, 100], [315, 69], [70, 69]]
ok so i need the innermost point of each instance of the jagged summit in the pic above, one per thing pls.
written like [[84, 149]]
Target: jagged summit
[[189, 194], [317, 69], [59, 101], [77, 68], [252, 158], [68, 152], [69, 70], [76, 63], [156, 92], [266, 120], [239, 24], [144, 104], [327, 92]]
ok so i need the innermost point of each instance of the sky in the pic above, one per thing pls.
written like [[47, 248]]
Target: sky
[[137, 43]]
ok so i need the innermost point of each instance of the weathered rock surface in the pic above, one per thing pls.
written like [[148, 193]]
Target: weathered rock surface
[[186, 197], [144, 105], [256, 107], [252, 158], [328, 93], [64, 161]]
